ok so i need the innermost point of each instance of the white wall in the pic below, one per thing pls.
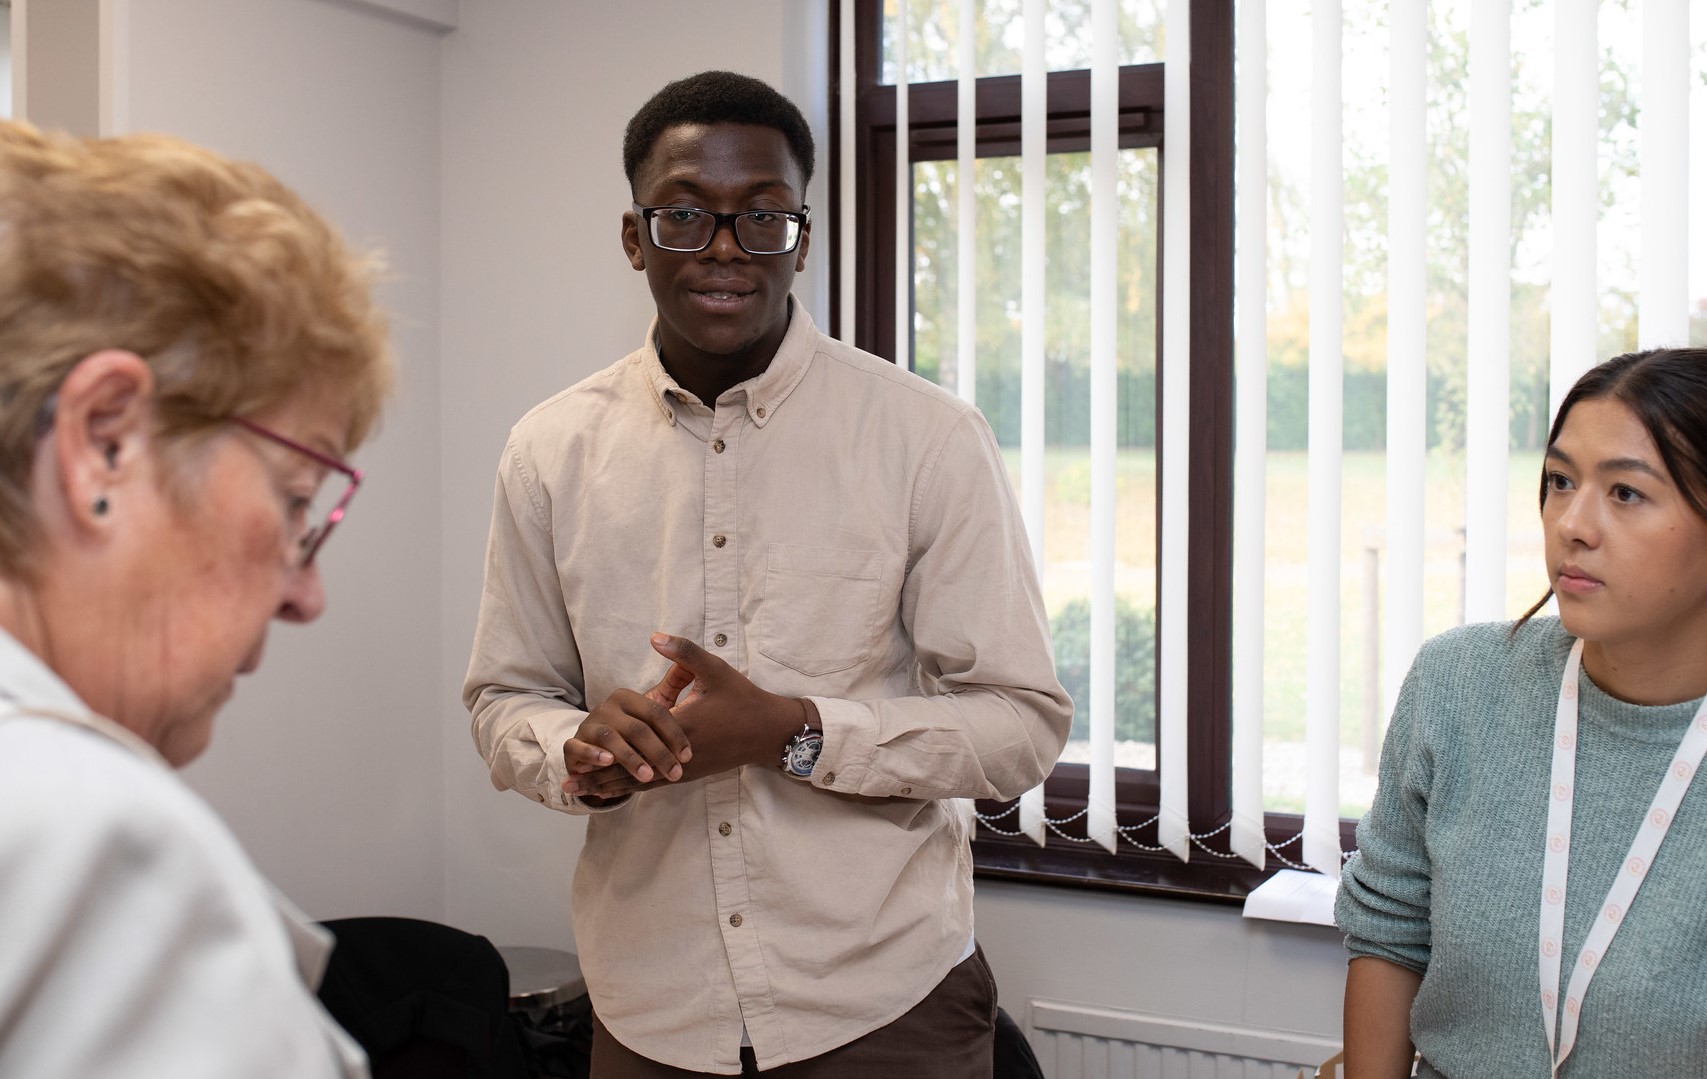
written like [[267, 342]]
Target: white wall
[[328, 763], [5, 61], [1174, 959], [58, 82], [487, 161]]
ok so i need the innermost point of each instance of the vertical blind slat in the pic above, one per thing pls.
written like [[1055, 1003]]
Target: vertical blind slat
[[1034, 104], [1174, 827], [1662, 315], [1573, 305], [849, 173], [1407, 332], [1326, 393], [1247, 837], [966, 221], [1034, 87], [1105, 102], [1487, 412], [903, 197]]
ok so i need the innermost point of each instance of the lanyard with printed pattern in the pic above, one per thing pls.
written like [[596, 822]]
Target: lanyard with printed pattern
[[1562, 1032]]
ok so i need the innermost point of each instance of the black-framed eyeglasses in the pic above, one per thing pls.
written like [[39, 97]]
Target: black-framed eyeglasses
[[321, 524], [758, 232]]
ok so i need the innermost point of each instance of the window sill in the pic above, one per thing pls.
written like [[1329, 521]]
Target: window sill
[[1066, 864], [1212, 876]]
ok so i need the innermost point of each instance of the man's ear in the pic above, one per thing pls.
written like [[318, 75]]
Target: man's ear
[[631, 240], [805, 242], [102, 420]]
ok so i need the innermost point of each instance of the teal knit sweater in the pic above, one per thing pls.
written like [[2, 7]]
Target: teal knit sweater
[[1447, 878]]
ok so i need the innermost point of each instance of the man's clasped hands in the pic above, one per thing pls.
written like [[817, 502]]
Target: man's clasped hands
[[703, 717]]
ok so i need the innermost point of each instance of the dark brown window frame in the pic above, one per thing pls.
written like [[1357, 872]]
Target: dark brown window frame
[[1213, 873]]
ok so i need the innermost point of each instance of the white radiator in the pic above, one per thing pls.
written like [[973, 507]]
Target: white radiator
[[1075, 1041]]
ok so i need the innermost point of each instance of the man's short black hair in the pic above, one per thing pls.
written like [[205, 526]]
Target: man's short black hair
[[716, 97]]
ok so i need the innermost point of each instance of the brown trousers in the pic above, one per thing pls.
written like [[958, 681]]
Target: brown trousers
[[948, 1035]]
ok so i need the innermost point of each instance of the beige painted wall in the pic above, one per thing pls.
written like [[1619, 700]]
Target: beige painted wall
[[58, 77]]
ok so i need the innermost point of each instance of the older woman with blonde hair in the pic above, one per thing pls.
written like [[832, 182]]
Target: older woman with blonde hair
[[186, 353]]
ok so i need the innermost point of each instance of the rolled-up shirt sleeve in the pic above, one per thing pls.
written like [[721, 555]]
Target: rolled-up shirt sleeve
[[993, 717]]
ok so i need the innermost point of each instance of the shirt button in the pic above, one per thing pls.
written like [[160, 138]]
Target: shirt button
[[539, 797], [720, 640], [735, 920], [717, 447], [718, 541], [724, 829], [906, 791], [761, 412], [831, 778]]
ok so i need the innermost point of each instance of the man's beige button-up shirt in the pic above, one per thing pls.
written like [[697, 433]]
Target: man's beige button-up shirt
[[835, 528]]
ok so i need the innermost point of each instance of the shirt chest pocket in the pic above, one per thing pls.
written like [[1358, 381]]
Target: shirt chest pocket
[[822, 607]]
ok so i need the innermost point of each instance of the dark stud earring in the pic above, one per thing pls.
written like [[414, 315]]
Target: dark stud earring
[[100, 506]]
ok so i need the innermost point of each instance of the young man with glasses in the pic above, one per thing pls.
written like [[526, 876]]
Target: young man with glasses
[[762, 604]]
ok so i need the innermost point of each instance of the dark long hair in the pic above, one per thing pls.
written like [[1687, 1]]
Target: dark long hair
[[1666, 389]]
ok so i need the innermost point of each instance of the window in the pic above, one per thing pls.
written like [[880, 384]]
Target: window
[[1419, 302], [1502, 189], [1506, 207], [932, 135]]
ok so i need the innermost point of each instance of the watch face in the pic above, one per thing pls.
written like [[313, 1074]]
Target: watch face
[[802, 753]]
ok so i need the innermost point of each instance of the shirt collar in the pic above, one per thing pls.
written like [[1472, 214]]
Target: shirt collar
[[764, 393], [31, 687]]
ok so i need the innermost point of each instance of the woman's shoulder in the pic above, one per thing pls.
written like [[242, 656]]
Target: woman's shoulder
[[137, 918], [85, 799], [1470, 674], [1496, 649]]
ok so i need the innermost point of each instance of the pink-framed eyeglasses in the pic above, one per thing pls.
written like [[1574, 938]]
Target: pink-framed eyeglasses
[[315, 537]]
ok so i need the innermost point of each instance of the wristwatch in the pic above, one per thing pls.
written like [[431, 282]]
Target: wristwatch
[[801, 753]]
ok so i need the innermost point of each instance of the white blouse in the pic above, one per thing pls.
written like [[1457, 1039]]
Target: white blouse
[[137, 940]]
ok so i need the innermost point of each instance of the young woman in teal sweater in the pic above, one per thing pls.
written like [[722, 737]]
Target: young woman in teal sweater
[[1529, 897]]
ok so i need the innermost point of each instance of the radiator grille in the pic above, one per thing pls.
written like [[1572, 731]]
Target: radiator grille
[[1074, 1041]]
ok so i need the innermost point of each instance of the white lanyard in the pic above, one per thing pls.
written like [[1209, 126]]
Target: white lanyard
[[1631, 873]]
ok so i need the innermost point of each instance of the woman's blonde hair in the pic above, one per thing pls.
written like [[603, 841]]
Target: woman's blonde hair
[[235, 292]]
